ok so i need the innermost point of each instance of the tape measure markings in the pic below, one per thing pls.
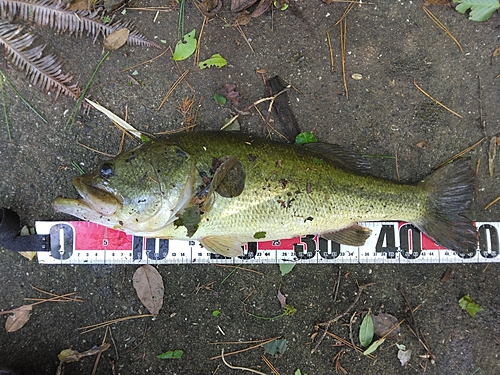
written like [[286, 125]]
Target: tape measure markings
[[80, 242]]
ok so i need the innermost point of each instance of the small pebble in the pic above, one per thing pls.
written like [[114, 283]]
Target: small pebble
[[357, 76]]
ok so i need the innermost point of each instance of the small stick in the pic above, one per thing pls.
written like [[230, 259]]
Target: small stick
[[92, 327], [236, 342], [346, 11], [176, 83], [480, 100], [491, 203], [461, 153], [238, 367], [94, 150], [270, 365], [98, 357], [343, 41], [434, 100], [147, 61], [338, 317], [337, 285], [244, 37], [443, 27], [246, 349], [196, 59], [330, 49], [347, 343]]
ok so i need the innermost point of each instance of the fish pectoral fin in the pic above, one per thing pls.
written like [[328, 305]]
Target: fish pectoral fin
[[354, 235], [223, 245]]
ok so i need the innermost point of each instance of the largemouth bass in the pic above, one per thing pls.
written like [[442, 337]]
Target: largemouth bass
[[225, 189]]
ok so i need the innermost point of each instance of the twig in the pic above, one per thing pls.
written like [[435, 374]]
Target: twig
[[343, 41], [240, 268], [72, 117], [246, 349], [94, 150], [98, 357], [92, 327], [332, 61], [238, 367], [480, 100], [270, 365], [347, 343], [327, 324], [171, 90], [443, 27], [244, 37], [461, 153], [336, 286], [413, 322], [434, 100], [147, 61], [491, 203], [346, 11], [196, 59]]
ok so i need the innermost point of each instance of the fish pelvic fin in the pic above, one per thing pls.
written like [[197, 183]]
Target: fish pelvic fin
[[450, 190], [353, 235], [224, 245]]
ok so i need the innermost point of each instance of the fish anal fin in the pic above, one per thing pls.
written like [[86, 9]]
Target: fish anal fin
[[354, 235], [223, 245]]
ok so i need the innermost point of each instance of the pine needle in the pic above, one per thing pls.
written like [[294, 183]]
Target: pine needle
[[21, 97], [5, 110], [434, 100], [343, 32], [332, 61], [461, 153], [72, 117], [443, 27]]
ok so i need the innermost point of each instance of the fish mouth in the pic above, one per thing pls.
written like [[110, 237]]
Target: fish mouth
[[98, 199]]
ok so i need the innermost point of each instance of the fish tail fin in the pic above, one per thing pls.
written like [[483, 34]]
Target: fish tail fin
[[450, 190]]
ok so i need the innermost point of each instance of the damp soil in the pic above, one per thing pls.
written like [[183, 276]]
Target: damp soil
[[391, 45]]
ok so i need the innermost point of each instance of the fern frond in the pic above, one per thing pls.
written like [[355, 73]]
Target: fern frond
[[43, 71], [55, 14]]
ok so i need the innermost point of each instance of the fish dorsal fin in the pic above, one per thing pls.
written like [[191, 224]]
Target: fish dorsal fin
[[223, 245], [341, 156], [354, 235]]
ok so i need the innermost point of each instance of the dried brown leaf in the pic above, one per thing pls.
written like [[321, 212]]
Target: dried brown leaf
[[148, 284], [18, 319], [239, 5], [116, 39], [281, 298], [496, 52], [261, 8], [383, 323]]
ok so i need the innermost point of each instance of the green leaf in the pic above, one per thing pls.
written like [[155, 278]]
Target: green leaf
[[216, 312], [469, 305], [366, 330], [481, 10], [259, 235], [220, 99], [305, 137], [374, 346], [171, 354], [276, 347], [216, 60], [185, 47], [286, 268]]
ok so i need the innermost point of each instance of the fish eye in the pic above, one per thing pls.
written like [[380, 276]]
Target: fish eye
[[106, 170]]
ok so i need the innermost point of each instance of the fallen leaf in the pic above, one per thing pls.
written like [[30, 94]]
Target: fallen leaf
[[404, 356], [469, 305], [239, 5], [18, 318], [276, 347], [261, 8], [171, 354], [366, 330], [229, 92], [148, 284], [185, 47], [374, 346], [216, 60], [281, 298], [383, 323], [116, 39], [286, 268]]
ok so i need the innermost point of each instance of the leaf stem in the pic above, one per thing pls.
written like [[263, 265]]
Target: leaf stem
[[5, 110]]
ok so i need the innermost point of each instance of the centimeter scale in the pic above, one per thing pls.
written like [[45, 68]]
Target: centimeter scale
[[80, 242]]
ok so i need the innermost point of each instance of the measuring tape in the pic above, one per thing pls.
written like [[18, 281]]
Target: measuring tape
[[80, 242]]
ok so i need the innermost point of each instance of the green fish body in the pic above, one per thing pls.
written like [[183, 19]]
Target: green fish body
[[225, 189]]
